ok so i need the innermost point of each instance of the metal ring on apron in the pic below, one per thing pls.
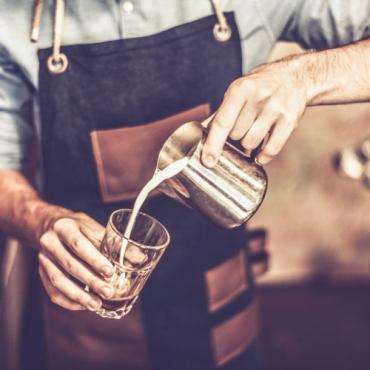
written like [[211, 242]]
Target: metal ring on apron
[[221, 34], [58, 62], [221, 31], [59, 65]]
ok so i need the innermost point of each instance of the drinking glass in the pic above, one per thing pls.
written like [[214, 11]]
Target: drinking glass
[[142, 251]]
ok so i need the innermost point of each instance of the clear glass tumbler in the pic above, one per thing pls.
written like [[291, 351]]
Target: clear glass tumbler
[[142, 252]]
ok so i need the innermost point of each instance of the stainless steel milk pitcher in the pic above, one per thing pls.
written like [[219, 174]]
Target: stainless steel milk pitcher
[[228, 194]]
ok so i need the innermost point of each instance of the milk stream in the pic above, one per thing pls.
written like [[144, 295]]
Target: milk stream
[[172, 170]]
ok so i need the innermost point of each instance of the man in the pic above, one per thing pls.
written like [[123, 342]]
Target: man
[[114, 77]]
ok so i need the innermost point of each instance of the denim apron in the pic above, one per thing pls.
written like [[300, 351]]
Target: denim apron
[[104, 119]]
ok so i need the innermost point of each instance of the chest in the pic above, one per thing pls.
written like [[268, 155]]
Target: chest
[[113, 20]]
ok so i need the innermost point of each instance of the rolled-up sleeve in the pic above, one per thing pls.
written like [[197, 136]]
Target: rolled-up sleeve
[[15, 115], [318, 24]]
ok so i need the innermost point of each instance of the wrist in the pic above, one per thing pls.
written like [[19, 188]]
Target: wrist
[[304, 69], [42, 216]]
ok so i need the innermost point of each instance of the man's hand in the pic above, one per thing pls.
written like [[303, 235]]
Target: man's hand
[[69, 247], [69, 244], [271, 99], [268, 101]]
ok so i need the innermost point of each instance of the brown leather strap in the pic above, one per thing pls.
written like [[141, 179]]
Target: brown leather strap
[[257, 254], [235, 335], [226, 281]]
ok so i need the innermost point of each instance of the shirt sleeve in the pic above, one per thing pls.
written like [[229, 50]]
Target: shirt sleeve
[[15, 115], [318, 24]]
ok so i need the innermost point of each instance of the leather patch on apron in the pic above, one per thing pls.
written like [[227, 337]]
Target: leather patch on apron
[[258, 256], [226, 281], [126, 157], [235, 335], [83, 340]]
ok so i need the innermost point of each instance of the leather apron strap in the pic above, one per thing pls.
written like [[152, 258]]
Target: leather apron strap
[[58, 62]]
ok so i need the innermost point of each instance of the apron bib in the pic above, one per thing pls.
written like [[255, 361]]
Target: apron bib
[[103, 121]]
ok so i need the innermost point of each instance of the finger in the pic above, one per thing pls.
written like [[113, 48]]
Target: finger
[[244, 121], [279, 136], [52, 245], [71, 236], [207, 121], [67, 287], [258, 131], [135, 256], [221, 125], [57, 297], [91, 229]]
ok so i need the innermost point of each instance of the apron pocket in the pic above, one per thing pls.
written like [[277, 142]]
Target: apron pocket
[[126, 157], [226, 281], [235, 335]]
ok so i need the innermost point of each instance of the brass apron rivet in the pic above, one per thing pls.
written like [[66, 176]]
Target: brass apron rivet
[[221, 34], [57, 65]]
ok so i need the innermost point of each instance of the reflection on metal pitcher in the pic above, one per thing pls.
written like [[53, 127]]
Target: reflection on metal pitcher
[[228, 194]]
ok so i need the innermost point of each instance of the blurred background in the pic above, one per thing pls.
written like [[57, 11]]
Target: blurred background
[[315, 297]]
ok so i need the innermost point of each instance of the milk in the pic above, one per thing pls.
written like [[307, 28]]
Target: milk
[[159, 176]]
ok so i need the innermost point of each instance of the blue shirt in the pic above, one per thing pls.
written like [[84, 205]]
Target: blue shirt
[[313, 24]]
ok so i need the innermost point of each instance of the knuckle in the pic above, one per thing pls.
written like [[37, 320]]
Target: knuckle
[[236, 135], [239, 130], [95, 262], [62, 224], [272, 150], [250, 141], [55, 279], [81, 215], [292, 123], [289, 117], [59, 224], [77, 244], [236, 88], [217, 122], [221, 123], [45, 239], [76, 307], [94, 284], [262, 93], [69, 265], [276, 109], [81, 298], [237, 85], [288, 125]]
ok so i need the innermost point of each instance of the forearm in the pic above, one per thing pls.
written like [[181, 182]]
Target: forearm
[[334, 76], [23, 214], [270, 100]]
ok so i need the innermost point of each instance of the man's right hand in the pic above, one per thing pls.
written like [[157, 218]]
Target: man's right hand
[[70, 248]]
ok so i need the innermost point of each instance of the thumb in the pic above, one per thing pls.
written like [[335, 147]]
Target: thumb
[[215, 141]]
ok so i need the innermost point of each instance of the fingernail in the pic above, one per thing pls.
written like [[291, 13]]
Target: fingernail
[[210, 160], [93, 305], [107, 271], [262, 159], [107, 291]]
